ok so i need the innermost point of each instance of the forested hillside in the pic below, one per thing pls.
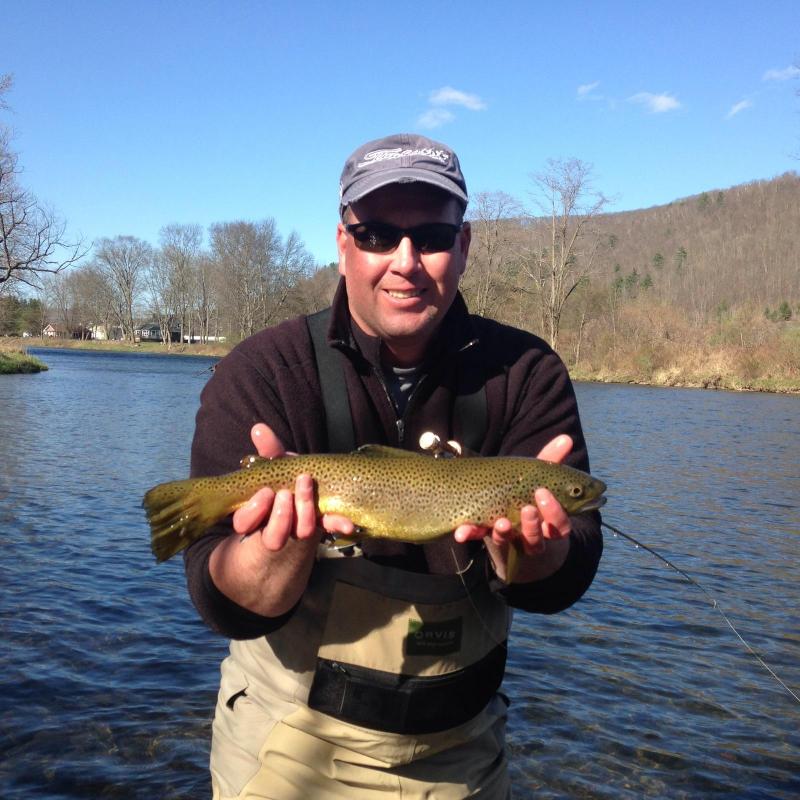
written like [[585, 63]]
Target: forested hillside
[[704, 290], [716, 250]]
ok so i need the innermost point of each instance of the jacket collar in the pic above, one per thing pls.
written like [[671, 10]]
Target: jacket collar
[[456, 333]]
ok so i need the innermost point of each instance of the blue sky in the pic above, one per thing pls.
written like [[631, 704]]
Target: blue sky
[[132, 115]]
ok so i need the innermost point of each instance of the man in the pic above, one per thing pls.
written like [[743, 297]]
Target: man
[[377, 674]]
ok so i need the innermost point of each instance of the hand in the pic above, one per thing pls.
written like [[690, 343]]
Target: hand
[[279, 516], [546, 520]]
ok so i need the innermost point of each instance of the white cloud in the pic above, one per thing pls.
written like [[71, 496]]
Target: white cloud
[[781, 74], [587, 88], [656, 103], [738, 107], [448, 96], [435, 118]]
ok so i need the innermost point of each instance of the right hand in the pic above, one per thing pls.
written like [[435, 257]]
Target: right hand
[[279, 516]]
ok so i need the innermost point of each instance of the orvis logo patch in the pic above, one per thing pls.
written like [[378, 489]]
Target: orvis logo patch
[[433, 638]]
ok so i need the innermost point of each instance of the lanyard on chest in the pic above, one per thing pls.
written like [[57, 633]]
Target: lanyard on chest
[[470, 406]]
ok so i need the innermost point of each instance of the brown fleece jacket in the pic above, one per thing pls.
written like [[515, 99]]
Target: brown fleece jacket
[[271, 377]]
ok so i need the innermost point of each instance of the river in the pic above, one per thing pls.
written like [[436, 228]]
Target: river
[[108, 678]]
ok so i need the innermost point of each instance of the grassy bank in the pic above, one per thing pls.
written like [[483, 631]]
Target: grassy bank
[[14, 361], [119, 347], [771, 365]]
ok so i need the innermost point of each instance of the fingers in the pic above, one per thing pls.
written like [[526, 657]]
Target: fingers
[[305, 507], [538, 523], [555, 522], [557, 449], [281, 515], [280, 523], [268, 445], [336, 523], [468, 532], [249, 517]]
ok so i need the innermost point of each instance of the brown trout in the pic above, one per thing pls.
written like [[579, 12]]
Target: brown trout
[[386, 492]]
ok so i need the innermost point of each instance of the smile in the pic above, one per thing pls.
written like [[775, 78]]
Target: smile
[[404, 295]]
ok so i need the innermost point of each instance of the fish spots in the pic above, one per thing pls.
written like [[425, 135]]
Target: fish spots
[[393, 494]]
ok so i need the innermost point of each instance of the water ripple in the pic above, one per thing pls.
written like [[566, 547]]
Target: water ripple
[[109, 679]]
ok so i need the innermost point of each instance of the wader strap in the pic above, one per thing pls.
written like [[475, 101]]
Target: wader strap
[[402, 704], [471, 408], [338, 418]]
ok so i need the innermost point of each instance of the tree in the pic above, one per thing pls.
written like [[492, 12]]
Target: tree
[[95, 294], [180, 268], [485, 280], [565, 194], [33, 238], [123, 262], [257, 270]]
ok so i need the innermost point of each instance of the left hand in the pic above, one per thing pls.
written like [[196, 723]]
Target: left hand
[[546, 520]]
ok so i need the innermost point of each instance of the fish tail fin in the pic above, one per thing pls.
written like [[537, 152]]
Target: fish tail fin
[[178, 514]]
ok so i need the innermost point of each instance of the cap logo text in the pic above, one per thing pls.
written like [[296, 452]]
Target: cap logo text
[[388, 154]]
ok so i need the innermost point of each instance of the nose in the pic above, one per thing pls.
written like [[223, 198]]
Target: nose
[[406, 257]]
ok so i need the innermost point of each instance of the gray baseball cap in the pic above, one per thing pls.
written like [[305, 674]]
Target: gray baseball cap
[[400, 158]]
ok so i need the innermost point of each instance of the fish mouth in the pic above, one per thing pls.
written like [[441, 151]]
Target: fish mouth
[[593, 505]]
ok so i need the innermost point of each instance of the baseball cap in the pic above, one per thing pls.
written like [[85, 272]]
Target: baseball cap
[[400, 158]]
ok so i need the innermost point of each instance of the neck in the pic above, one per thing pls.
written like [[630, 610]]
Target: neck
[[396, 354]]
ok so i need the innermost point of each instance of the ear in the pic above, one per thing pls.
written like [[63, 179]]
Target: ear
[[341, 246]]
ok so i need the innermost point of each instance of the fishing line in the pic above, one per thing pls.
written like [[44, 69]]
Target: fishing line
[[460, 572], [696, 584]]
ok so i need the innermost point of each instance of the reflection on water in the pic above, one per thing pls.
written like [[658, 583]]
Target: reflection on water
[[641, 690]]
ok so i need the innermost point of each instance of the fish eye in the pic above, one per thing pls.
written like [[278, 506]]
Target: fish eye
[[575, 491]]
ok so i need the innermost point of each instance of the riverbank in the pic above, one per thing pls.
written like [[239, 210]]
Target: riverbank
[[771, 366], [14, 360], [212, 350], [766, 369]]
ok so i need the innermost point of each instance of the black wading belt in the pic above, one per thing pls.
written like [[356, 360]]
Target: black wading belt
[[471, 408]]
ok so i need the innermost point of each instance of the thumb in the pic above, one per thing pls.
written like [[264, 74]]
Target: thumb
[[268, 445], [557, 449]]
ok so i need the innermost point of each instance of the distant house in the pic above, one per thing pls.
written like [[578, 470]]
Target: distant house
[[106, 332], [55, 331], [151, 332]]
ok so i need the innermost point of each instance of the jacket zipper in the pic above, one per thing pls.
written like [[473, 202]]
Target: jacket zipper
[[400, 422]]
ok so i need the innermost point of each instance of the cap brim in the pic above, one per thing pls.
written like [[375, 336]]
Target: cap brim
[[371, 183]]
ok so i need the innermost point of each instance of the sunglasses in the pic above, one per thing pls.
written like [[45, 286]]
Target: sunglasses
[[381, 237]]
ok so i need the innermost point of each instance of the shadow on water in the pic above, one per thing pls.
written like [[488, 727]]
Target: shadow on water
[[109, 679]]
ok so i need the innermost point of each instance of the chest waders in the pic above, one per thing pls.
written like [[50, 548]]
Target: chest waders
[[382, 679]]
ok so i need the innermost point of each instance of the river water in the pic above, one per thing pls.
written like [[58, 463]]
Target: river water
[[108, 680]]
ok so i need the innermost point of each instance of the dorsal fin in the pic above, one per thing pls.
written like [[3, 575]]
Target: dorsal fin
[[384, 451]]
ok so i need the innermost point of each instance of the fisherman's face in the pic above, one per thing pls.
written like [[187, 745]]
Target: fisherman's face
[[402, 296]]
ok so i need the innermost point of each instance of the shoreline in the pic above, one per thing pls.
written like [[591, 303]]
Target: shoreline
[[676, 376], [214, 350]]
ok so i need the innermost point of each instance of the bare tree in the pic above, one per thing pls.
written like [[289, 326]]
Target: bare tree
[[123, 261], [60, 297], [256, 271], [485, 281], [180, 252], [33, 238], [161, 290], [95, 296], [565, 255], [206, 304]]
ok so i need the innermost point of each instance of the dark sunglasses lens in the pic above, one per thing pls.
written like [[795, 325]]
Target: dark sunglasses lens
[[378, 237], [434, 238], [375, 238]]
